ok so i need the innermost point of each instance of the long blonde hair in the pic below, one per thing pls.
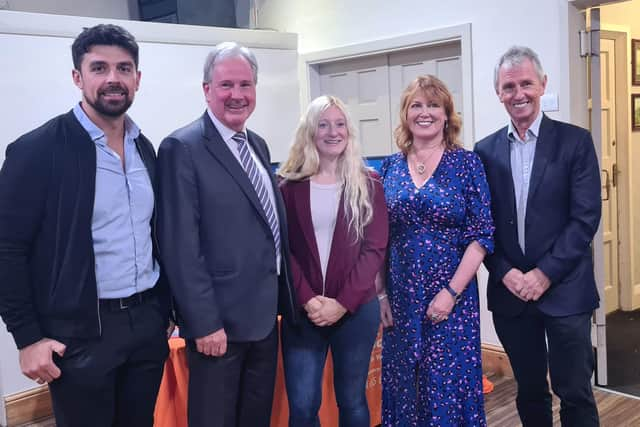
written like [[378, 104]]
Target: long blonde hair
[[304, 161], [433, 89]]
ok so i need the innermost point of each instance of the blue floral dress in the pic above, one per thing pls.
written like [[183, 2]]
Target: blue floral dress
[[431, 373]]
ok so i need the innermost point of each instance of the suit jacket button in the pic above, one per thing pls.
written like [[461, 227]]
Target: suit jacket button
[[510, 222]]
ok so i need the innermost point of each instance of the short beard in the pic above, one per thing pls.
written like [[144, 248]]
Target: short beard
[[108, 109]]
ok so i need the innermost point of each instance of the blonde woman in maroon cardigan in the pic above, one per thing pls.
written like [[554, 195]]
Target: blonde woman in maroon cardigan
[[338, 236]]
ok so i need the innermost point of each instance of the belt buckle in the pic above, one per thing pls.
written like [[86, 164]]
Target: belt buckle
[[123, 306]]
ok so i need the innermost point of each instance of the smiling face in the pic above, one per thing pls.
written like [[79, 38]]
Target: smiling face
[[108, 79], [520, 89], [231, 94], [426, 118], [332, 134]]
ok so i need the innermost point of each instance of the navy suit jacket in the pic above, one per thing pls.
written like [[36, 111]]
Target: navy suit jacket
[[216, 240], [562, 216]]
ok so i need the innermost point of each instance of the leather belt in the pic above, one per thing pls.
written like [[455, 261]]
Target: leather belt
[[117, 304]]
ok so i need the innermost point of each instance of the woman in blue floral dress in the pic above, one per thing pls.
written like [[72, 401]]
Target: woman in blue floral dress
[[440, 230]]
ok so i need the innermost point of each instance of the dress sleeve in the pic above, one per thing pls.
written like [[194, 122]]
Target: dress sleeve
[[478, 221]]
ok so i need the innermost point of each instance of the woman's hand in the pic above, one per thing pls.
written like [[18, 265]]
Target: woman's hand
[[385, 311], [440, 306], [313, 305], [329, 313]]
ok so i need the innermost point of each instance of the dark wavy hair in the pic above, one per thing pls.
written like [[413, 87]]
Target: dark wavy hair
[[103, 35]]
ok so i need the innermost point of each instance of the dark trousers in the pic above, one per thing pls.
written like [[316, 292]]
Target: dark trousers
[[113, 380], [304, 351], [569, 359], [236, 389]]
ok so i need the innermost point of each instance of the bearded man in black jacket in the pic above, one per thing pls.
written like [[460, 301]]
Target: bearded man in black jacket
[[80, 285]]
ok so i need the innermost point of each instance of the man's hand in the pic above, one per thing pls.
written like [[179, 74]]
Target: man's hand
[[385, 313], [36, 361], [536, 284], [330, 312], [214, 344], [514, 281]]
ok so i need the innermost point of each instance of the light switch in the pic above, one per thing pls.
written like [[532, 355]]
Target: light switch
[[549, 102]]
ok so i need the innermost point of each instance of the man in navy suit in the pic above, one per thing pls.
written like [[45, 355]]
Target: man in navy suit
[[545, 189], [223, 236]]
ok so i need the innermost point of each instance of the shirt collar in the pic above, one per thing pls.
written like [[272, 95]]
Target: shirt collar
[[534, 129], [132, 131], [225, 132]]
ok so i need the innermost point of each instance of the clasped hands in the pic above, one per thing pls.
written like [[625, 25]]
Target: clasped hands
[[324, 311], [529, 286]]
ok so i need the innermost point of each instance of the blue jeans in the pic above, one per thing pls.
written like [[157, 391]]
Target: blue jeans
[[304, 351]]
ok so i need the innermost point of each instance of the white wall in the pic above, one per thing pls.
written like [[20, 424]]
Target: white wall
[[115, 9], [547, 26]]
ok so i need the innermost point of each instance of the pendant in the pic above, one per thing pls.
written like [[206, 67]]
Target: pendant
[[420, 168]]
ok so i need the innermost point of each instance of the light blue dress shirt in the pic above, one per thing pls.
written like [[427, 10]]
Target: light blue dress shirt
[[122, 210], [522, 156]]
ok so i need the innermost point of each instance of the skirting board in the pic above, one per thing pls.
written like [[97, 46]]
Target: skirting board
[[495, 361], [36, 403], [28, 406]]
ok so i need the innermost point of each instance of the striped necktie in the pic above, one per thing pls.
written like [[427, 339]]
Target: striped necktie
[[253, 173]]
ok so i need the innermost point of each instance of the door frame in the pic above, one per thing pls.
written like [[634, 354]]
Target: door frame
[[629, 300], [309, 63], [624, 195]]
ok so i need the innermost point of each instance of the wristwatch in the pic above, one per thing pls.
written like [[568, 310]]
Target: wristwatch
[[456, 296]]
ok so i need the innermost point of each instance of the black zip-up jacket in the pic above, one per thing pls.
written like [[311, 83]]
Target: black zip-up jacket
[[47, 266]]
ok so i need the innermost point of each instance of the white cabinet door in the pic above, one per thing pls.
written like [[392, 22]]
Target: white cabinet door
[[363, 84], [371, 87], [442, 61]]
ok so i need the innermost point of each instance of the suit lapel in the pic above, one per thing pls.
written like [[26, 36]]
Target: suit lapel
[[505, 182], [503, 154], [545, 148], [339, 241], [218, 148]]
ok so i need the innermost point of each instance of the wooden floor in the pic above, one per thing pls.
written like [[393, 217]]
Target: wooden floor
[[615, 410]]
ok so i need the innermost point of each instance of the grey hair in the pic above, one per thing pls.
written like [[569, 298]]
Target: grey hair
[[229, 50], [514, 56]]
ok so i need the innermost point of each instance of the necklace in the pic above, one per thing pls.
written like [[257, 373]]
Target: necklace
[[421, 166]]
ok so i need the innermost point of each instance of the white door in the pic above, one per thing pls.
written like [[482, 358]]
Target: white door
[[371, 86], [609, 175], [442, 61], [363, 84]]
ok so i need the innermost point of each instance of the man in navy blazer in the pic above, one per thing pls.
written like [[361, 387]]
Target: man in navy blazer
[[223, 238], [545, 197]]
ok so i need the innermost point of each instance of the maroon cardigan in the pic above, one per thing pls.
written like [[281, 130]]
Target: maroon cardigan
[[352, 267]]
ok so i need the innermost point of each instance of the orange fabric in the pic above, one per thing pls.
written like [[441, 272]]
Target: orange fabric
[[171, 406], [487, 386]]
